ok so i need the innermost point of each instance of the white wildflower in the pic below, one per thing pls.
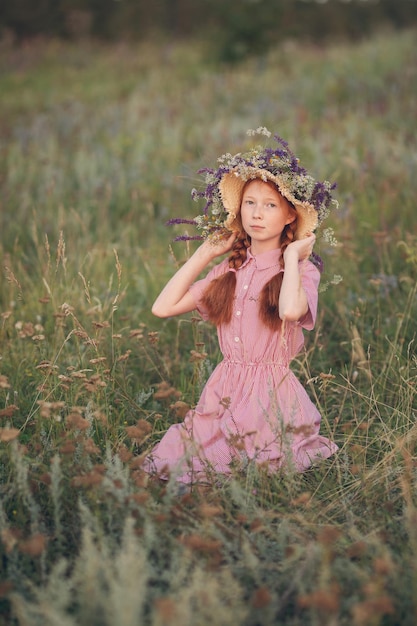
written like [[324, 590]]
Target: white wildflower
[[329, 237]]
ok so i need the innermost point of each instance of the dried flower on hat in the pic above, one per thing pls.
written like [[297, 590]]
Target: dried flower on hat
[[223, 189]]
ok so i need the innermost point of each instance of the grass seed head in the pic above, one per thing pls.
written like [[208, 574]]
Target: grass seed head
[[325, 600], [166, 609], [201, 544], [4, 382], [75, 421], [370, 611], [34, 546], [261, 598], [9, 411], [8, 434]]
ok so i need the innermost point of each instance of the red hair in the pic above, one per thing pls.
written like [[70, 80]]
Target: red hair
[[219, 294]]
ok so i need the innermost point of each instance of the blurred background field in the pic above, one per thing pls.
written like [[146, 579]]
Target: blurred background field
[[101, 136]]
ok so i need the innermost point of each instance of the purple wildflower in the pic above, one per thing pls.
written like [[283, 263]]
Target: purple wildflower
[[189, 238], [318, 261], [180, 220]]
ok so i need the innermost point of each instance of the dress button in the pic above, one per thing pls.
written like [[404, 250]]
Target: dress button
[[236, 339], [245, 286], [237, 312]]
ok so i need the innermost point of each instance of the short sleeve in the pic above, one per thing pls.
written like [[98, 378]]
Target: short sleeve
[[197, 289], [310, 279]]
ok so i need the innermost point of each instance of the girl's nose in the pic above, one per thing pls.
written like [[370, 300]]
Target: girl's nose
[[257, 211]]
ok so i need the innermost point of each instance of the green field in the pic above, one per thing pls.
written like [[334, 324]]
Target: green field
[[99, 146]]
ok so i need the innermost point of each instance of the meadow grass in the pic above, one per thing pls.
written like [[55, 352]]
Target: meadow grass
[[99, 146]]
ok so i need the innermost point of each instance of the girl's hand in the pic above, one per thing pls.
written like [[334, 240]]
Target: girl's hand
[[301, 247], [218, 246], [176, 298]]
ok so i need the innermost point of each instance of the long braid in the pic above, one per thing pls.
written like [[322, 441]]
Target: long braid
[[218, 296], [269, 299]]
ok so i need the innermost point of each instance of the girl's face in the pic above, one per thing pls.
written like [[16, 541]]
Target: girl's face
[[264, 213]]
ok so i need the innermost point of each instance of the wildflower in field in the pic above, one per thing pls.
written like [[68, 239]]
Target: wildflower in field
[[9, 411], [165, 390], [197, 356], [153, 337], [8, 434], [76, 421], [136, 333], [326, 600], [9, 538], [124, 357], [67, 448], [100, 359], [90, 447], [180, 408], [261, 597], [33, 546], [4, 382], [94, 384], [201, 543], [27, 329], [91, 479], [139, 431], [208, 510], [166, 609]]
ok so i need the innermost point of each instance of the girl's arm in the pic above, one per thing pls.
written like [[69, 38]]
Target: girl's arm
[[293, 303], [175, 298]]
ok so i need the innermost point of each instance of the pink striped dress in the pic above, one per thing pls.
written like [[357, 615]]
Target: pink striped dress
[[252, 408]]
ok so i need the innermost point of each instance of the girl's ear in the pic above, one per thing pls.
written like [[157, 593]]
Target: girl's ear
[[291, 210], [292, 214]]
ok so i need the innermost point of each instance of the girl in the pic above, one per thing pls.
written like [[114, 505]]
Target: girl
[[262, 208]]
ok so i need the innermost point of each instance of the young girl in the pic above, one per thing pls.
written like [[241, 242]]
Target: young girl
[[262, 208]]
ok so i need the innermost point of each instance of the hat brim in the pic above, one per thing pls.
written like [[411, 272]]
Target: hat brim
[[231, 187]]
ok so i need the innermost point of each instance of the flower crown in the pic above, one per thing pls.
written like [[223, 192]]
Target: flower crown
[[278, 164]]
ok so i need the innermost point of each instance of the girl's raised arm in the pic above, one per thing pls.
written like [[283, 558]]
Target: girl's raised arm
[[175, 298], [293, 303]]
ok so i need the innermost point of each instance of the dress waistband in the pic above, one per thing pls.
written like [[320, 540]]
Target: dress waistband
[[254, 363]]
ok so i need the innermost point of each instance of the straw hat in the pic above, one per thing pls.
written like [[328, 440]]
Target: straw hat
[[231, 187], [223, 189]]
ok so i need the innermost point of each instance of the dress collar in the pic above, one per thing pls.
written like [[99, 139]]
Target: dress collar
[[264, 260]]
